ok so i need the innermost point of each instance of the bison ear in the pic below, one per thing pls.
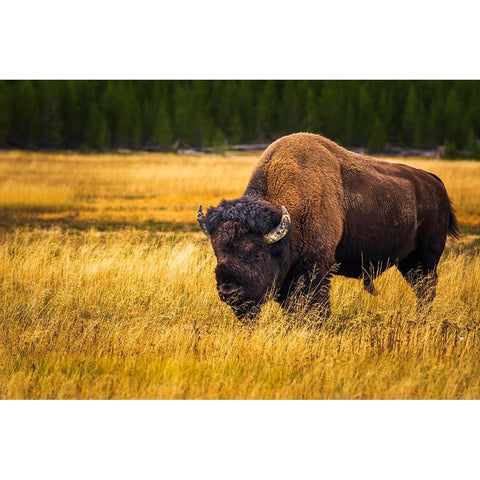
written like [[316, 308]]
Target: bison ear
[[202, 221], [280, 230]]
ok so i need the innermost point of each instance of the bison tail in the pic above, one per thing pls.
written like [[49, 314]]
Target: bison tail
[[453, 228]]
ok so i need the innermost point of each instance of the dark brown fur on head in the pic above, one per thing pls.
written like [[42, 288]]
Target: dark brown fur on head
[[246, 265], [249, 214]]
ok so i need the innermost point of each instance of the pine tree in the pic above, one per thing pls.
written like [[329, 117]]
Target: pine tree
[[202, 125], [473, 101], [450, 150], [365, 115], [291, 106], [236, 129], [266, 107], [453, 119], [224, 95], [71, 114], [433, 134], [4, 114], [473, 145], [117, 103], [52, 121], [328, 111], [135, 123], [410, 119], [103, 141], [217, 140], [377, 138], [163, 135], [245, 106], [126, 132], [26, 120], [385, 108], [311, 122], [97, 134], [182, 112]]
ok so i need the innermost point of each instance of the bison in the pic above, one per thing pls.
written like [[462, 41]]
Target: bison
[[313, 209]]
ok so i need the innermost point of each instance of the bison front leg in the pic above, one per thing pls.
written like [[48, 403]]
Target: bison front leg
[[317, 298], [308, 293]]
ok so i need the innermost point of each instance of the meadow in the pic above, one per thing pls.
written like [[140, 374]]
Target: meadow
[[107, 291]]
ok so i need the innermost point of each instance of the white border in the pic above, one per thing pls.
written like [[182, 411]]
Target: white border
[[239, 439], [253, 39]]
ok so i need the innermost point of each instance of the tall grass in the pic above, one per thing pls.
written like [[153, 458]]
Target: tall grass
[[136, 315]]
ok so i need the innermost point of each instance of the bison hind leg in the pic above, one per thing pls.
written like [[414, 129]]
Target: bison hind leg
[[421, 273]]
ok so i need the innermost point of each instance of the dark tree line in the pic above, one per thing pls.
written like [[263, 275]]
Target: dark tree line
[[102, 115]]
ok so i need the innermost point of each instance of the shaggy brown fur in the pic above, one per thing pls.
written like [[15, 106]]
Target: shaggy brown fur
[[351, 215]]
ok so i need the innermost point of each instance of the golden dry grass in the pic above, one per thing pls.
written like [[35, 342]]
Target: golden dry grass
[[133, 312], [159, 190], [111, 190]]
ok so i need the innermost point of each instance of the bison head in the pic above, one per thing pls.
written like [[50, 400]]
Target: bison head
[[246, 236]]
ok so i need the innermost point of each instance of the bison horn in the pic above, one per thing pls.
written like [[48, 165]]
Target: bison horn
[[280, 230], [201, 221]]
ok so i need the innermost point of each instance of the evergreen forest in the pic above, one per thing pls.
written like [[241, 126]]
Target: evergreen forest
[[99, 115]]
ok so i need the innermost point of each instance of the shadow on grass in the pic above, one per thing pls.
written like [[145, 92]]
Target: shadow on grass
[[12, 219], [466, 229], [469, 247], [64, 218]]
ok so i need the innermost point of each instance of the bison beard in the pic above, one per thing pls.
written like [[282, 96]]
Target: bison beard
[[313, 209]]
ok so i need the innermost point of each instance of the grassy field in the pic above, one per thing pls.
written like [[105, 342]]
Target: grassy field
[[107, 291]]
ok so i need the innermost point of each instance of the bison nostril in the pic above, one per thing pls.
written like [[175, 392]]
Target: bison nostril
[[227, 288]]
